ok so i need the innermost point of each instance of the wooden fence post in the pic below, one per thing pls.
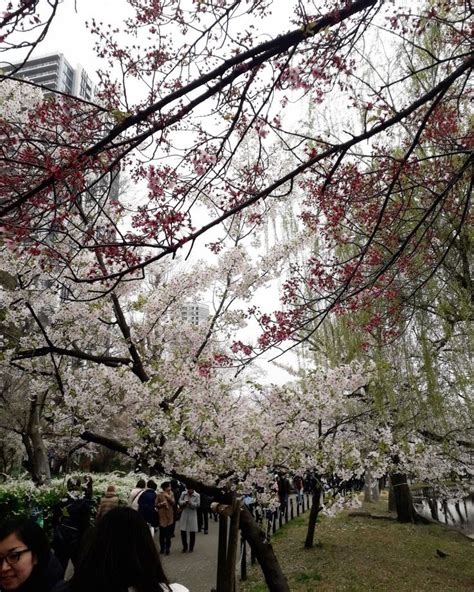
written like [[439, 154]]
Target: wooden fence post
[[271, 520], [252, 557], [243, 560], [221, 553], [232, 546]]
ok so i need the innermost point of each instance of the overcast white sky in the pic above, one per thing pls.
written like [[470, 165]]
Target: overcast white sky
[[69, 35]]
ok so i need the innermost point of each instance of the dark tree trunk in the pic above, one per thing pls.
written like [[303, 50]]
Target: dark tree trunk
[[433, 506], [40, 470], [28, 448], [232, 546], [263, 551], [313, 516], [391, 497], [403, 500], [222, 553], [35, 447], [457, 507]]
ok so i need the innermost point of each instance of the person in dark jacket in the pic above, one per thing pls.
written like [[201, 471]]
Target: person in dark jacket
[[26, 561], [283, 492], [177, 488], [71, 519], [146, 505], [203, 513]]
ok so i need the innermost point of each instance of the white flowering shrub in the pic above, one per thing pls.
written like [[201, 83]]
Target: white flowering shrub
[[21, 497]]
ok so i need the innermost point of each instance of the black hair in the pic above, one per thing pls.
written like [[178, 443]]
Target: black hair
[[141, 483], [151, 485], [119, 553], [34, 537], [165, 484]]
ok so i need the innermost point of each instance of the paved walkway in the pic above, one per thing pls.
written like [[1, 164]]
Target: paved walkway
[[196, 570]]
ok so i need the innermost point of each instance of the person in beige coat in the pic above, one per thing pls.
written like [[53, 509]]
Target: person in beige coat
[[165, 506], [109, 501]]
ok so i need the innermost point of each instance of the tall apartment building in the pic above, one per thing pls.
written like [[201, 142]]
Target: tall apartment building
[[54, 72], [194, 312]]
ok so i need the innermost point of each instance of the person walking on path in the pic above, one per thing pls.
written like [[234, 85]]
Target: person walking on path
[[71, 519], [188, 502], [298, 484], [135, 494], [146, 505], [165, 506], [283, 486], [120, 556], [108, 502], [203, 513]]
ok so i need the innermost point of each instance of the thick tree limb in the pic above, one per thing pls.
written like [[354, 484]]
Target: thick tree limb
[[72, 353], [464, 68]]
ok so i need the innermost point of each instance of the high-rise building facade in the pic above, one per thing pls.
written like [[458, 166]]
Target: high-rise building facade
[[55, 73], [194, 312]]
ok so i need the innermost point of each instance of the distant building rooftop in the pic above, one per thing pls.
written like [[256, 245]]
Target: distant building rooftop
[[55, 73]]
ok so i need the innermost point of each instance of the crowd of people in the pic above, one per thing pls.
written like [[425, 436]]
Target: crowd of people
[[172, 505], [117, 554]]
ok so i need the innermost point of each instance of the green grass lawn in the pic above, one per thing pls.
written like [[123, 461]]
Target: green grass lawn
[[358, 554]]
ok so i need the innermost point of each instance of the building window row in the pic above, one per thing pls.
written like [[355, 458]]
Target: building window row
[[34, 67]]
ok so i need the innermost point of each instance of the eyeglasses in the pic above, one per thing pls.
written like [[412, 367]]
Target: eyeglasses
[[12, 558]]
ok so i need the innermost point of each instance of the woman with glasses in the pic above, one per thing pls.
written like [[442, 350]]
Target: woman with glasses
[[26, 562]]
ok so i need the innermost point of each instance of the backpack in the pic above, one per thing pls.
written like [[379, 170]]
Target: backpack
[[136, 498]]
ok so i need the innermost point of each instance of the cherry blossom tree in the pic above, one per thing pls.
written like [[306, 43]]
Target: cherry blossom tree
[[243, 88], [176, 382], [195, 102]]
